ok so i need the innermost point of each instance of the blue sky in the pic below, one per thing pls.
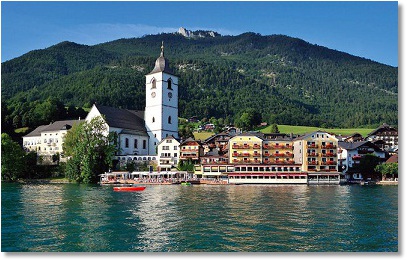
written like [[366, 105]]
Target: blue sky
[[365, 29]]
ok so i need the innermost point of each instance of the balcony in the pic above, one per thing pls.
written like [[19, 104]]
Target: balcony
[[256, 154], [282, 162], [328, 146], [246, 146], [256, 146], [314, 162], [266, 146], [183, 149], [328, 162], [278, 155], [235, 146], [235, 154], [267, 154], [329, 154], [312, 145], [312, 154]]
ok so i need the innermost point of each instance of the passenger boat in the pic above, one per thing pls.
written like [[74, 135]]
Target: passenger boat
[[139, 188], [186, 184]]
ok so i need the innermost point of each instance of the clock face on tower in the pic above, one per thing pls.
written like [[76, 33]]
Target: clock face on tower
[[153, 94], [170, 95]]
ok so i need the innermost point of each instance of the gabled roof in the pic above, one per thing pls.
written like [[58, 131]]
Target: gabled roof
[[168, 138], [62, 125], [55, 126], [217, 135], [122, 118], [190, 141], [384, 127], [393, 159], [355, 145], [301, 137], [36, 132]]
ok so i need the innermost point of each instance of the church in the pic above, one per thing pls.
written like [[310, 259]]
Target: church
[[139, 132]]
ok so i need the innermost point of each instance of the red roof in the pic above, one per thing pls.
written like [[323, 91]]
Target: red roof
[[393, 159]]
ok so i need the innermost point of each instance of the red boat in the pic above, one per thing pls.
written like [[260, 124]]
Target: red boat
[[128, 188]]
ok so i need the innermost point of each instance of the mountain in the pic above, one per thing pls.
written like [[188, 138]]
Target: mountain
[[197, 34], [285, 79]]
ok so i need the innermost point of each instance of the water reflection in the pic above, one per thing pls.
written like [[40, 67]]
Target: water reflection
[[199, 218], [158, 219]]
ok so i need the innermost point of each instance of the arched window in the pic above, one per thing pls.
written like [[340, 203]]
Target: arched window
[[153, 119], [135, 143], [169, 82], [153, 83], [169, 119]]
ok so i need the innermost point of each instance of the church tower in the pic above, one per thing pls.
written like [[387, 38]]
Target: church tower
[[161, 112]]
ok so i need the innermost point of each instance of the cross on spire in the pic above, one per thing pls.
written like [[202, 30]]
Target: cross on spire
[[162, 48]]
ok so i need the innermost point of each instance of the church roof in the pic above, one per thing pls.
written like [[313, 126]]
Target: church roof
[[162, 64], [122, 118]]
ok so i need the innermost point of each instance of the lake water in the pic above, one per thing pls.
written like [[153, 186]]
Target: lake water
[[201, 218]]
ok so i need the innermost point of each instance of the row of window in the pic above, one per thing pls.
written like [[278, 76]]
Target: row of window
[[168, 147], [135, 144], [137, 158], [266, 169], [39, 142], [154, 84], [167, 155], [169, 120], [269, 177]]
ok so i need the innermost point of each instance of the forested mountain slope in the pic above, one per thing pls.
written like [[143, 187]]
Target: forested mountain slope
[[287, 80]]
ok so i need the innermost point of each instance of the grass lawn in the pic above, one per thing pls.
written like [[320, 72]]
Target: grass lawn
[[21, 130], [202, 135], [305, 129]]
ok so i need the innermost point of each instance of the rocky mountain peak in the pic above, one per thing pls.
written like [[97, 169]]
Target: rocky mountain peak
[[197, 34]]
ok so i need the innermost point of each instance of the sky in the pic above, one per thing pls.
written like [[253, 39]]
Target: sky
[[365, 29]]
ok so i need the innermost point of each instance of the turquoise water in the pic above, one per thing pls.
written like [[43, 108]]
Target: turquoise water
[[77, 218]]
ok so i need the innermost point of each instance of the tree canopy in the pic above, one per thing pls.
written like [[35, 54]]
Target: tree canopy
[[90, 150], [286, 80], [12, 159]]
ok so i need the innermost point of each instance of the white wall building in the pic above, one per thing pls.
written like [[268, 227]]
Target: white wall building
[[139, 132], [168, 153], [161, 112], [350, 154], [47, 140]]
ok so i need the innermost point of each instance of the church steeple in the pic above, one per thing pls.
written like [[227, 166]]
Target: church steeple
[[162, 49], [161, 112], [162, 64]]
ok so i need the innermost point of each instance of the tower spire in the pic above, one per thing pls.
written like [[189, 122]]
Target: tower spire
[[162, 49]]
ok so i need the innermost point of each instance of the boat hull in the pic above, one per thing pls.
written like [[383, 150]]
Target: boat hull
[[128, 189]]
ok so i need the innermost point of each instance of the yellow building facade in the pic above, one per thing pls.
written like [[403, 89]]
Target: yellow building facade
[[317, 152]]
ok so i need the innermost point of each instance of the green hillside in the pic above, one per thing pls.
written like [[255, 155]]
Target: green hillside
[[287, 80], [305, 129]]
